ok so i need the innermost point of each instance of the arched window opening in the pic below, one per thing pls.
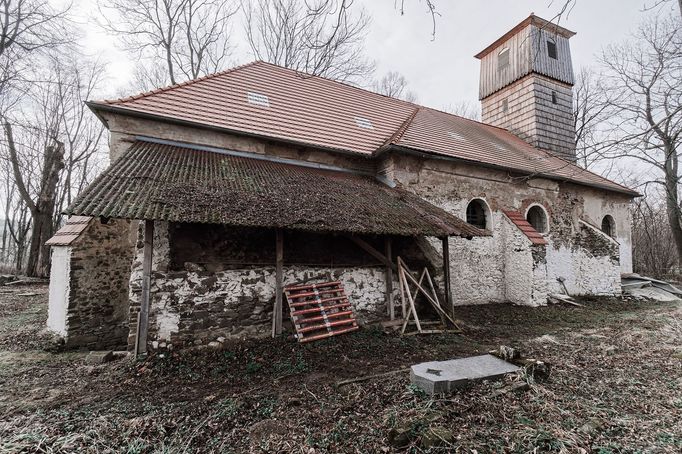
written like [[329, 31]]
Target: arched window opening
[[477, 214], [537, 217], [608, 225]]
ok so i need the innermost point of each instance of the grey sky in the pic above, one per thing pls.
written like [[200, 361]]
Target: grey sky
[[441, 71]]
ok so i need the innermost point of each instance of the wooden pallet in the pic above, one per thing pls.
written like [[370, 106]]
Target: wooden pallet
[[320, 310]]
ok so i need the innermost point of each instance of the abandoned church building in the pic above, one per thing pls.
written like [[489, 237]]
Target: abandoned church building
[[224, 189]]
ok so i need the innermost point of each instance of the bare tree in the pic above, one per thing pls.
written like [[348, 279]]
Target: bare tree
[[652, 237], [430, 9], [644, 108], [322, 38], [51, 150], [30, 25], [27, 27], [590, 110], [466, 109], [42, 207], [190, 37], [394, 84]]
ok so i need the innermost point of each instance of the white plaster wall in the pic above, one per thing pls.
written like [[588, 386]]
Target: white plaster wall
[[242, 297], [596, 207], [365, 288], [584, 273], [518, 264], [58, 304]]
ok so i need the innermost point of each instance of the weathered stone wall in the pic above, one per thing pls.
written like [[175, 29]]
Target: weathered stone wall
[[505, 267], [98, 273], [124, 129], [200, 306]]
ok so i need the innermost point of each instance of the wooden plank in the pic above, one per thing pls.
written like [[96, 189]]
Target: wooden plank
[[413, 309], [371, 251], [429, 297], [279, 287], [143, 316], [390, 303], [449, 304], [401, 286]]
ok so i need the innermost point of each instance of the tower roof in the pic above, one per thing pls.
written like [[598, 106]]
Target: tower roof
[[530, 20]]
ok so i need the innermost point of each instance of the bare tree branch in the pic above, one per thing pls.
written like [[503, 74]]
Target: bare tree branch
[[318, 37]]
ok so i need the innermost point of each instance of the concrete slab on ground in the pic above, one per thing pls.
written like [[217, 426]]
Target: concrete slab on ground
[[656, 294], [437, 377]]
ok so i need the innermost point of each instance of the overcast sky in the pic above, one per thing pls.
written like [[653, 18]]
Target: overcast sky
[[443, 71]]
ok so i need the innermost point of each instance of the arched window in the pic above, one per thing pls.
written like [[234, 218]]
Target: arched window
[[477, 213], [608, 225], [537, 217]]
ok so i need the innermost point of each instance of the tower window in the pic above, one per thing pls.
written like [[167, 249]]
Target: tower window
[[477, 213], [551, 50], [505, 105], [608, 225], [554, 97], [537, 217], [503, 59]]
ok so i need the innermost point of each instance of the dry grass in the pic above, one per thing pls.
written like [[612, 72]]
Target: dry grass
[[616, 387]]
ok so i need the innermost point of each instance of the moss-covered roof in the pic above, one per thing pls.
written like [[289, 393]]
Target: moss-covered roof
[[169, 182]]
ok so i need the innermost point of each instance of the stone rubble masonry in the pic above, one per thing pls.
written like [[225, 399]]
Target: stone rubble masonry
[[506, 267], [198, 307], [97, 300]]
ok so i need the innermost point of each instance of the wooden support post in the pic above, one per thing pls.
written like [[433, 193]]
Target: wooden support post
[[373, 252], [279, 287], [449, 304], [143, 316], [389, 279]]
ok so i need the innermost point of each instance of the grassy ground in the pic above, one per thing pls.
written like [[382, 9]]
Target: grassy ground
[[616, 387]]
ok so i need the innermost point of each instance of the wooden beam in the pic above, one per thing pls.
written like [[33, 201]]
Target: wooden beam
[[373, 252], [143, 316], [389, 279], [449, 304], [279, 287]]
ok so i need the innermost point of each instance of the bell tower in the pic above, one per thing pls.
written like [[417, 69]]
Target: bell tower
[[526, 85]]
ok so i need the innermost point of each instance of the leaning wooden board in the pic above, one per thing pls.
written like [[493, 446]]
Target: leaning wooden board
[[320, 310]]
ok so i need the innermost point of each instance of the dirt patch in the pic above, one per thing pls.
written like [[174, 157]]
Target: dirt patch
[[615, 387]]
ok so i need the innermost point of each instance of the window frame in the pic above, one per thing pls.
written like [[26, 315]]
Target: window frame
[[545, 215], [487, 213], [501, 59], [552, 49], [612, 225]]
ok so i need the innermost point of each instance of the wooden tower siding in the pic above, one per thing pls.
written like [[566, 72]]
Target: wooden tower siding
[[532, 96]]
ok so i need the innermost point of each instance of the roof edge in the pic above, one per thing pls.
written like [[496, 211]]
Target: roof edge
[[96, 107], [415, 151], [530, 20]]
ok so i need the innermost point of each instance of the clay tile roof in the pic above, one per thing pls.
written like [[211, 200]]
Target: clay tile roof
[[70, 231], [317, 112], [519, 221], [162, 181]]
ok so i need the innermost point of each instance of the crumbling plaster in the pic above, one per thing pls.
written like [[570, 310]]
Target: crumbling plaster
[[504, 267], [199, 307], [124, 129]]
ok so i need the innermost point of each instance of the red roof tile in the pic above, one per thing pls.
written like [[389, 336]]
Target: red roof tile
[[323, 113], [519, 221], [70, 231]]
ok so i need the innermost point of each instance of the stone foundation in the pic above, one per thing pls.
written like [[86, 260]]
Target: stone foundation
[[195, 307], [89, 291]]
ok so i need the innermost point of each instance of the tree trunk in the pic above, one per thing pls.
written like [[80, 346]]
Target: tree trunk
[[43, 224], [672, 201]]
